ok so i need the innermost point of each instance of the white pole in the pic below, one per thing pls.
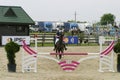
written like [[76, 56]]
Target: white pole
[[36, 44], [101, 41], [100, 65], [112, 62]]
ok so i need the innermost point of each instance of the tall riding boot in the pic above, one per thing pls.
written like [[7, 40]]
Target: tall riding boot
[[65, 47], [54, 47]]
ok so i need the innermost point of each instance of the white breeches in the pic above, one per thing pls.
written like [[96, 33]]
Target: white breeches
[[57, 39]]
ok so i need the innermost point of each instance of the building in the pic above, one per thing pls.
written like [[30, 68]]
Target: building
[[14, 21]]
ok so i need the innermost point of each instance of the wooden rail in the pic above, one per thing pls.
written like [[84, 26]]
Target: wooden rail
[[49, 38]]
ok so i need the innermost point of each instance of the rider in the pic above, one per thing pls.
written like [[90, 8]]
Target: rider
[[58, 33]]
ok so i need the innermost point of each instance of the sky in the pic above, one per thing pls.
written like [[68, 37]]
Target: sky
[[64, 10]]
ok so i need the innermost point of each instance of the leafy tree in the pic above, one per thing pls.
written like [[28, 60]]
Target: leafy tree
[[77, 21], [71, 21], [107, 19]]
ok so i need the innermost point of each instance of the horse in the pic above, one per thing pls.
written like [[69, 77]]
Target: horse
[[60, 47]]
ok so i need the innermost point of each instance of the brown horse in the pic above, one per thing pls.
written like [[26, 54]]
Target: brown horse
[[60, 47]]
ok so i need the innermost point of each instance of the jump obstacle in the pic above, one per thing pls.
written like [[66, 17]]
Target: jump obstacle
[[29, 62]]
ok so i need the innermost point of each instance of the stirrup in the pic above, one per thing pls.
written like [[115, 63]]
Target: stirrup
[[54, 49], [65, 48]]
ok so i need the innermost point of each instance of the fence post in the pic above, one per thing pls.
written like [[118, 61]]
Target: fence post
[[43, 39]]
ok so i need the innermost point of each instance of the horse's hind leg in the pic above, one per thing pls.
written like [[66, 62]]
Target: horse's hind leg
[[56, 53]]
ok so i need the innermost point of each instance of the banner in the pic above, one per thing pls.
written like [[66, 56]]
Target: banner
[[17, 39], [71, 40]]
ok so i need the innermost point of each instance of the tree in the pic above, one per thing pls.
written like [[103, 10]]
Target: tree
[[71, 21], [107, 19]]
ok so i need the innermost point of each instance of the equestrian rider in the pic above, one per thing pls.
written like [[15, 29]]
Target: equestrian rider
[[58, 33]]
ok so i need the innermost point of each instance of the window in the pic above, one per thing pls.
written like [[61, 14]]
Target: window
[[10, 13], [20, 29]]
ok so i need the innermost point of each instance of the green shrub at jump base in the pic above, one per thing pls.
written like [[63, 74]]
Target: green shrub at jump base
[[117, 51], [11, 48]]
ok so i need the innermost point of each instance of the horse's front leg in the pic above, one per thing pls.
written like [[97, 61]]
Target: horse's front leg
[[60, 54]]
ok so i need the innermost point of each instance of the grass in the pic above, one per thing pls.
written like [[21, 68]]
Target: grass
[[40, 44]]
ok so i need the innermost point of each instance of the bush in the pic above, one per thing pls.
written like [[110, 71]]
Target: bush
[[117, 48], [11, 48]]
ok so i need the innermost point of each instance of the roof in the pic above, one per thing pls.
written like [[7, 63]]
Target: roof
[[14, 15]]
